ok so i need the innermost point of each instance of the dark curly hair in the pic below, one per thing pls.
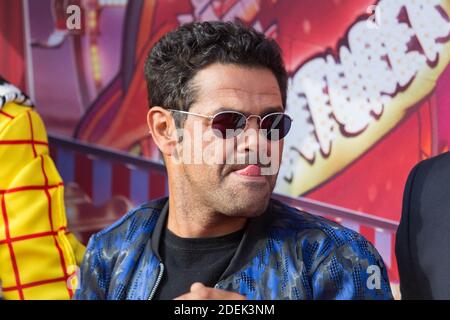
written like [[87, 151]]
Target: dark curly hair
[[181, 53]]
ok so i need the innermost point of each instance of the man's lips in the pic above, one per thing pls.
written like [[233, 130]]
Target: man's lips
[[250, 170]]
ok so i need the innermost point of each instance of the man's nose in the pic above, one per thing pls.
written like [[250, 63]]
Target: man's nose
[[251, 134], [253, 121]]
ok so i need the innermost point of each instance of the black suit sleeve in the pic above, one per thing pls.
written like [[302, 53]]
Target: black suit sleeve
[[408, 281], [423, 236]]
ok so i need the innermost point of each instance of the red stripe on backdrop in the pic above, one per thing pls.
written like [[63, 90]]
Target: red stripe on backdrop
[[330, 218], [157, 184], [83, 173], [12, 62], [368, 233], [120, 180]]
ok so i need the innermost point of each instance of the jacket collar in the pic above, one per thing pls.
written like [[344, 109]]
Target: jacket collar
[[255, 237], [159, 227]]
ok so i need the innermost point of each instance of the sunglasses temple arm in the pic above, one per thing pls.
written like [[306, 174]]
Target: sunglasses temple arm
[[193, 113]]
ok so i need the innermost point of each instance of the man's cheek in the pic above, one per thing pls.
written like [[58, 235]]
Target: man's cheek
[[213, 149], [270, 157]]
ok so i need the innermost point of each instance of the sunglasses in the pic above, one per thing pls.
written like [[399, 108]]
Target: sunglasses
[[225, 122]]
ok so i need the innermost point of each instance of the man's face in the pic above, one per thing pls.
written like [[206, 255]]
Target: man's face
[[216, 170]]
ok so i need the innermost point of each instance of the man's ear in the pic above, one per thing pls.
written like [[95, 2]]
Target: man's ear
[[162, 128]]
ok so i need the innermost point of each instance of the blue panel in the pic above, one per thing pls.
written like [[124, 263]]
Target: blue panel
[[102, 181], [66, 165], [139, 192], [383, 243]]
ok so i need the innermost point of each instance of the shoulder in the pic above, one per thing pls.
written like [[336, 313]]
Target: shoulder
[[305, 225], [315, 239], [338, 260], [438, 166], [429, 180], [122, 241], [439, 160]]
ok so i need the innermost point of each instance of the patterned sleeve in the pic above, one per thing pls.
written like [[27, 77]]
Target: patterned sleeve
[[352, 271], [93, 277]]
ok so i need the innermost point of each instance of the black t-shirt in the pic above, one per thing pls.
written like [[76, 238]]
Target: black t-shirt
[[189, 260]]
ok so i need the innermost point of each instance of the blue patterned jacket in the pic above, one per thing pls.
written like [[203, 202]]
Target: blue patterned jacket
[[284, 254]]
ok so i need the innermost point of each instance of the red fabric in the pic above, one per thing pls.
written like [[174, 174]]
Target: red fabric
[[12, 53]]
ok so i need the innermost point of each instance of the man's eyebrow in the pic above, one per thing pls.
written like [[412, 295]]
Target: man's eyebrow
[[272, 110], [266, 111]]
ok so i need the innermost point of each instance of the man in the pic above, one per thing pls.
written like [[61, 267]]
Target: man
[[219, 235], [423, 237]]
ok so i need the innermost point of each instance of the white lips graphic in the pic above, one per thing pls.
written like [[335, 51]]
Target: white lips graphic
[[343, 104]]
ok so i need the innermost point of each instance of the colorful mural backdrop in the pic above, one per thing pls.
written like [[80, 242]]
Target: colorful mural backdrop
[[368, 87]]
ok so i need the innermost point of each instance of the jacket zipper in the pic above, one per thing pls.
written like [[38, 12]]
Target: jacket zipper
[[158, 280]]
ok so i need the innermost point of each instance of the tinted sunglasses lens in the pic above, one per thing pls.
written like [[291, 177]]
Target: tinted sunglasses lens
[[279, 122], [228, 121]]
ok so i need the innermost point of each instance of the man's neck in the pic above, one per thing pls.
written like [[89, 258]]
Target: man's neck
[[196, 221]]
